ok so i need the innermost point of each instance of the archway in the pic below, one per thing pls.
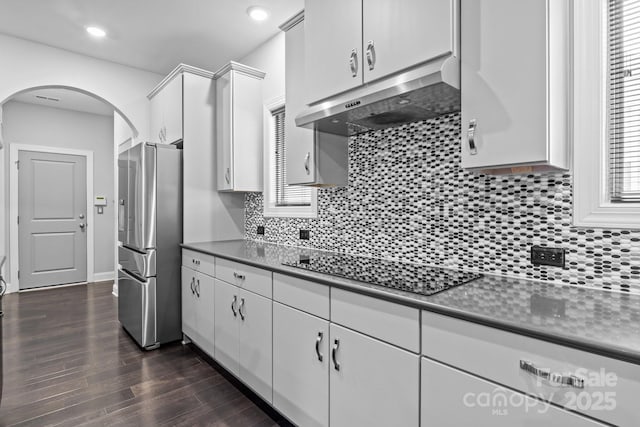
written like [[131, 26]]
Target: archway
[[8, 204]]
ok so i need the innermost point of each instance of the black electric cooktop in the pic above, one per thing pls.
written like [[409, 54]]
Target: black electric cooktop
[[404, 276]]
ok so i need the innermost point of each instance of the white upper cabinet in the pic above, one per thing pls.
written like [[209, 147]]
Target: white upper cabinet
[[239, 131], [400, 34], [333, 41], [166, 112], [352, 42], [514, 77], [311, 159]]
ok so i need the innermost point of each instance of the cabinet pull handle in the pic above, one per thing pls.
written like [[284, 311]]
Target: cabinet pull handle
[[240, 308], [239, 276], [193, 281], [334, 350], [198, 288], [233, 306], [307, 158], [227, 176], [318, 341], [371, 55], [554, 377], [471, 136], [353, 62]]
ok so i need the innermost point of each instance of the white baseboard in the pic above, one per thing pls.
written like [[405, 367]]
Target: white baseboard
[[11, 288], [115, 289], [104, 276]]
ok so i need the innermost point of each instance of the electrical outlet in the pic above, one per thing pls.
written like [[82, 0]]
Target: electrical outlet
[[304, 234], [547, 256], [260, 230]]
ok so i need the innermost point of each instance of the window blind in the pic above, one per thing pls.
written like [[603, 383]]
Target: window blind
[[624, 101], [286, 195]]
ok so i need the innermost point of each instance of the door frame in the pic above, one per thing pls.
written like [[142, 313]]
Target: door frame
[[14, 152]]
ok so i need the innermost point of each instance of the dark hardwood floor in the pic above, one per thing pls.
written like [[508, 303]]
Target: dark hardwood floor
[[67, 362]]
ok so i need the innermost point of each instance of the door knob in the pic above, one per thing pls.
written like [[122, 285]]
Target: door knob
[[81, 216], [82, 224]]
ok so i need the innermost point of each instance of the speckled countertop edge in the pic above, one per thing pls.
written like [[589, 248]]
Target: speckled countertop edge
[[230, 250]]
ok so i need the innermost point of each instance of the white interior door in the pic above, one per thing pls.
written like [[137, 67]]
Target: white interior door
[[52, 203]]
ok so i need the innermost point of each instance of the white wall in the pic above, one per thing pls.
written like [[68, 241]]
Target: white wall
[[27, 65], [40, 125], [269, 57]]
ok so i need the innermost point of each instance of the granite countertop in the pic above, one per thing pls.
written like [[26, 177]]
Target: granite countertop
[[594, 320]]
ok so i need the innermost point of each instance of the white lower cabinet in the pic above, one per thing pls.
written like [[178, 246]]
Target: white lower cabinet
[[454, 398], [255, 337], [243, 330], [371, 383], [198, 308], [300, 366], [227, 346]]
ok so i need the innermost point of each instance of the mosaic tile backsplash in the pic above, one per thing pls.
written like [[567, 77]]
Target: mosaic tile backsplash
[[408, 199]]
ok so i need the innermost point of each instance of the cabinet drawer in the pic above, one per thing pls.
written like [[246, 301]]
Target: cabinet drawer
[[302, 294], [394, 323], [253, 279], [450, 398], [511, 359], [198, 261]]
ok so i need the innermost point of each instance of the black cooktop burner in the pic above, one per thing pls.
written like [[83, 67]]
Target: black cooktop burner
[[403, 276]]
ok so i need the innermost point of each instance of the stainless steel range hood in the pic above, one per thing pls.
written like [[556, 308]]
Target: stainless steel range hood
[[424, 92]]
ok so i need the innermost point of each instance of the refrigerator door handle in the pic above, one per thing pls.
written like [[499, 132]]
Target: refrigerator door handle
[[133, 276]]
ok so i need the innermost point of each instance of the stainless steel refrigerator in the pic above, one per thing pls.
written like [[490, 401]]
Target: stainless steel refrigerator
[[149, 235]]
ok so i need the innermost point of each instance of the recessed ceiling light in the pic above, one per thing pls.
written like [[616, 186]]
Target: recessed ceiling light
[[96, 32], [257, 13]]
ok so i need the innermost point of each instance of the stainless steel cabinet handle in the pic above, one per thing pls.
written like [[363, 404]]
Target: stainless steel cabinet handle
[[227, 176], [318, 341], [233, 306], [371, 55], [471, 136], [239, 276], [198, 288], [193, 281], [334, 350], [240, 308], [555, 377], [353, 62], [307, 158]]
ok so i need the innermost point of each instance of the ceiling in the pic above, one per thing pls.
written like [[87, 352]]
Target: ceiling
[[65, 99], [154, 35]]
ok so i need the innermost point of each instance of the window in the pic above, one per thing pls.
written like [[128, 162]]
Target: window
[[280, 199], [624, 101], [607, 114]]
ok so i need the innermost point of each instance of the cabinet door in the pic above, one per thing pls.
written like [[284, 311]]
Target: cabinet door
[[226, 325], [204, 312], [299, 141], [156, 118], [503, 78], [224, 130], [188, 302], [371, 383], [256, 354], [172, 102], [452, 398], [400, 34], [300, 366], [333, 34]]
